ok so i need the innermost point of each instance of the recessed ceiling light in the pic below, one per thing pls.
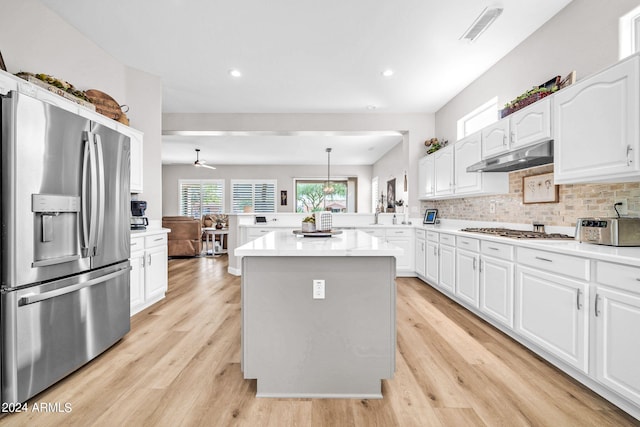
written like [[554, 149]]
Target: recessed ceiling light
[[371, 107], [235, 73], [387, 73]]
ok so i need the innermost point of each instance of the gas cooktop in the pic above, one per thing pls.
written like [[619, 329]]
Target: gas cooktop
[[518, 234]]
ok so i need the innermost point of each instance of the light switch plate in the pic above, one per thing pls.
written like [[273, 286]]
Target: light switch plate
[[318, 289]]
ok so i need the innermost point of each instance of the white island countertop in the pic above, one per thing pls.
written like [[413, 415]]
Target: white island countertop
[[348, 243]]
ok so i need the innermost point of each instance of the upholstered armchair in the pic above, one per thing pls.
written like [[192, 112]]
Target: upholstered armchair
[[185, 238]]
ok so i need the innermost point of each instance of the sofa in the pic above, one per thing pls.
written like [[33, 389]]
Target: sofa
[[185, 237]]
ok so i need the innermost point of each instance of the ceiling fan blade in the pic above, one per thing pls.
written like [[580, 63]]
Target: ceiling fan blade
[[207, 166]]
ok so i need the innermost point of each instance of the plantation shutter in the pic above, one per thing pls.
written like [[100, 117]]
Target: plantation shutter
[[259, 194], [201, 197]]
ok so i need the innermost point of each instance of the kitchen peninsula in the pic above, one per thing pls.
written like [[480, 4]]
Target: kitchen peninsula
[[318, 314]]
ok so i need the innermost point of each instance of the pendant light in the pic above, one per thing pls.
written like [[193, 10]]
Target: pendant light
[[201, 163], [328, 188]]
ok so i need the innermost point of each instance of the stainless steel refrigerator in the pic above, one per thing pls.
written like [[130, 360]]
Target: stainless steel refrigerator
[[65, 243]]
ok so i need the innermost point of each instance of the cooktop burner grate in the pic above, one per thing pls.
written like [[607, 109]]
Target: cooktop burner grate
[[517, 234]]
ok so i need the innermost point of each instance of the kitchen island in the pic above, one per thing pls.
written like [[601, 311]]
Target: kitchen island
[[318, 314]]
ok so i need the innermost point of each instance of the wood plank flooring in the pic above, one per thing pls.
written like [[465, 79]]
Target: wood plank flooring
[[180, 365]]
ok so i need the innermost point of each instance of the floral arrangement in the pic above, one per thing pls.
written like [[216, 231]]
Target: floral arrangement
[[434, 145]]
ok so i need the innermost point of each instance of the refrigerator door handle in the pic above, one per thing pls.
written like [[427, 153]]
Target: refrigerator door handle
[[33, 298], [89, 225], [101, 194]]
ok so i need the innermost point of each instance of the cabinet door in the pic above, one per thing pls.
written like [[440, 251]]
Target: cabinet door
[[447, 268], [425, 177], [420, 251], [531, 124], [617, 343], [405, 261], [444, 179], [155, 272], [136, 283], [495, 138], [432, 263], [467, 152], [430, 178], [496, 289], [467, 277], [596, 128], [551, 311]]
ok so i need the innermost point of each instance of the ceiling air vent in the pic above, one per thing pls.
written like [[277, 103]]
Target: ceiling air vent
[[481, 23]]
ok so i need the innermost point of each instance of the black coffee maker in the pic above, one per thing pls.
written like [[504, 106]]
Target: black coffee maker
[[138, 220]]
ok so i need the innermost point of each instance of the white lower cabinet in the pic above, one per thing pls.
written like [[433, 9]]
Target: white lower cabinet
[[431, 258], [617, 316], [447, 265], [550, 311], [496, 289], [403, 238], [420, 251], [148, 277], [467, 288], [496, 281]]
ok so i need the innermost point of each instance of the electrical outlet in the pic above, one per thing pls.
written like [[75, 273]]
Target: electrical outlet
[[623, 208], [492, 207], [318, 289]]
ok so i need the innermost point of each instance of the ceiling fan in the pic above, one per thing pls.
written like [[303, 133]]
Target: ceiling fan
[[201, 163]]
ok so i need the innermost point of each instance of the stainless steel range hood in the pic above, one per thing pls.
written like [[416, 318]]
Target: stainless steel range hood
[[523, 158]]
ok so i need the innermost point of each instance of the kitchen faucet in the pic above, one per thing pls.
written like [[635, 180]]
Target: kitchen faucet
[[377, 213]]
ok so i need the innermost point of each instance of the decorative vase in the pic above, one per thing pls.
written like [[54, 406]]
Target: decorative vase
[[308, 227]]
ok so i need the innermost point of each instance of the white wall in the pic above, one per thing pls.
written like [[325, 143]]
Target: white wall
[[418, 128], [35, 39], [581, 37], [284, 174], [392, 165]]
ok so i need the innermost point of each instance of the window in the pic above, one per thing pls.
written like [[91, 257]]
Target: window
[[482, 116], [310, 196], [260, 194], [629, 33], [201, 197]]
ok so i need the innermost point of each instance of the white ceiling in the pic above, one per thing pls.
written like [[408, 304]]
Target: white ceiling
[[304, 56]]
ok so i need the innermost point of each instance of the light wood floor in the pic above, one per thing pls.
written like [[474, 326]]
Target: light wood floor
[[180, 365]]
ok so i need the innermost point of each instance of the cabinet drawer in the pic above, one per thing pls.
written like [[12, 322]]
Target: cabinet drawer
[[433, 236], [557, 263], [375, 232], [618, 276], [447, 239], [399, 232], [498, 250], [155, 240], [468, 243], [137, 244], [420, 233]]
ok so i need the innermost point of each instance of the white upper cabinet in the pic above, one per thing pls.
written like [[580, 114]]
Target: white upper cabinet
[[495, 138], [597, 127], [467, 152], [444, 178], [524, 127], [135, 175], [426, 181], [531, 124]]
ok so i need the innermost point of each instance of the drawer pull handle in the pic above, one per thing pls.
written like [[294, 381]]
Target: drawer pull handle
[[493, 249], [134, 244], [578, 305], [544, 259], [638, 279], [597, 312], [465, 243], [158, 239]]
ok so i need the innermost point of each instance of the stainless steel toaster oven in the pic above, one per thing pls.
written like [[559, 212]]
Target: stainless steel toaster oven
[[609, 231]]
